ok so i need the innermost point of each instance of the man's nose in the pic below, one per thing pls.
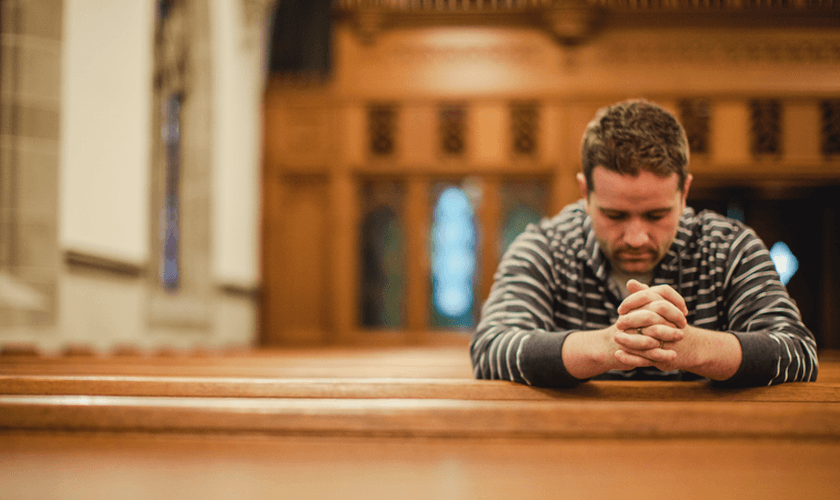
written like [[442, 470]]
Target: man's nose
[[636, 233]]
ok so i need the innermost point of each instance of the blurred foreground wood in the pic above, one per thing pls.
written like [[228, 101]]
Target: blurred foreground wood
[[405, 423]]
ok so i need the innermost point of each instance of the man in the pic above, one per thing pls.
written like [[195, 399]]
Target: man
[[630, 283]]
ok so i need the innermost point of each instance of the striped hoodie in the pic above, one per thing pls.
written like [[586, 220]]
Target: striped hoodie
[[553, 280]]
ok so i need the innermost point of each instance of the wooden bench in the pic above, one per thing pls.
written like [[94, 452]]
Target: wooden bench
[[407, 424], [33, 396], [445, 362]]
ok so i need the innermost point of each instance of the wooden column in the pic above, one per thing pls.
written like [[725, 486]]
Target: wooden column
[[345, 252], [489, 221], [417, 256], [573, 118], [271, 217]]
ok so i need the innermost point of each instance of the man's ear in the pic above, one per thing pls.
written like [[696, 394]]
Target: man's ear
[[688, 179], [584, 192]]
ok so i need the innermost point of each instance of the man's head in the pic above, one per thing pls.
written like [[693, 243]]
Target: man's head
[[635, 182], [635, 135]]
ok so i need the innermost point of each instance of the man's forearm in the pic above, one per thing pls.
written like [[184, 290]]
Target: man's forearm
[[589, 353]]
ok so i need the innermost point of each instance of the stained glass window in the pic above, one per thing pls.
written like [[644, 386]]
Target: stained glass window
[[523, 202], [382, 287], [453, 256], [734, 210], [786, 263], [171, 135]]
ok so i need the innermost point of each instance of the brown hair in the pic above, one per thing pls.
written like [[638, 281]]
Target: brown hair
[[635, 135]]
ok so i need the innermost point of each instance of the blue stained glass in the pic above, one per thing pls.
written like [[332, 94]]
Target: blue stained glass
[[382, 270], [784, 260], [453, 259], [517, 221], [171, 132], [734, 211]]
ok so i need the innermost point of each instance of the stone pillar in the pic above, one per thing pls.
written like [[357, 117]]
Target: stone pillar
[[30, 67]]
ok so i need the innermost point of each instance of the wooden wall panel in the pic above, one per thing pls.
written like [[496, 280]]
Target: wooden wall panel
[[730, 132], [344, 255], [801, 131], [418, 135], [489, 225], [488, 133], [304, 268], [417, 254]]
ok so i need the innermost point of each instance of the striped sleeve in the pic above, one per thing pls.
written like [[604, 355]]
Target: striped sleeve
[[516, 338], [777, 347]]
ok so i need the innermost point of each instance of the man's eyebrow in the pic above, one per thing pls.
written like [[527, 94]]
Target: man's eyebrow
[[655, 211], [660, 210]]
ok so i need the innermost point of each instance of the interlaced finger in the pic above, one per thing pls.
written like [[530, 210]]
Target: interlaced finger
[[642, 318], [645, 296]]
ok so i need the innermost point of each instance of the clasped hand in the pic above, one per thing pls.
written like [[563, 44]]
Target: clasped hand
[[652, 320]]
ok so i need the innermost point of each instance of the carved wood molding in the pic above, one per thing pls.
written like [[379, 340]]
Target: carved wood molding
[[570, 22], [575, 22], [808, 49]]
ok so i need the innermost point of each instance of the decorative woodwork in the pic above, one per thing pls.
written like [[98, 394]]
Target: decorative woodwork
[[496, 74]]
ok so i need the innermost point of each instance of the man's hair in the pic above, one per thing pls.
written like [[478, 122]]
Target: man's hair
[[635, 135]]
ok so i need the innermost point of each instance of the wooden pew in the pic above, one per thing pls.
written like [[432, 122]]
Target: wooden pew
[[404, 388], [447, 362], [393, 405], [424, 417], [291, 425], [129, 466]]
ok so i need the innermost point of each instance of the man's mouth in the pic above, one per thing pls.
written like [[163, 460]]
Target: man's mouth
[[635, 256]]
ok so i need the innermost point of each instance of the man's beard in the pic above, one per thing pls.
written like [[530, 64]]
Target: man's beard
[[628, 258]]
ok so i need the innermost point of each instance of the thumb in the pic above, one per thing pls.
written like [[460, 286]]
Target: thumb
[[634, 286]]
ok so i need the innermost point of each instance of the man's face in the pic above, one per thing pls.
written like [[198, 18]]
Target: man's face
[[635, 218]]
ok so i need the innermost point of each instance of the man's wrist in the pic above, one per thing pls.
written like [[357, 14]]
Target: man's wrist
[[711, 354], [588, 353]]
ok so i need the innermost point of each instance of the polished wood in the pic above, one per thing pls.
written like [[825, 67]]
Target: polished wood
[[423, 417], [449, 361], [344, 258], [305, 259], [242, 424], [210, 394], [489, 223], [406, 388], [416, 362], [134, 466]]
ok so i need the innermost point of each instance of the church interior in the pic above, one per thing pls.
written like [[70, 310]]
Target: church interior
[[244, 243]]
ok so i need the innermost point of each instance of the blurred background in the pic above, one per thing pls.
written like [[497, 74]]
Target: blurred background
[[204, 174]]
